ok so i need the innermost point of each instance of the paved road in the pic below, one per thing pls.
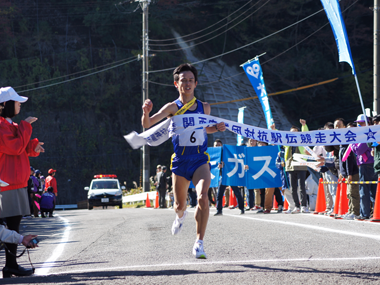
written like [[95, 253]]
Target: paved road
[[135, 246]]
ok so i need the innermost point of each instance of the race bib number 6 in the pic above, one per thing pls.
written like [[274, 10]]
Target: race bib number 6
[[192, 138]]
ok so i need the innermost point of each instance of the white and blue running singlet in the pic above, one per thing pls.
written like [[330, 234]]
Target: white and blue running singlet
[[192, 142]]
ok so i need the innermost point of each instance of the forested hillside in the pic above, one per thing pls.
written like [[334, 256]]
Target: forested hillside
[[83, 119]]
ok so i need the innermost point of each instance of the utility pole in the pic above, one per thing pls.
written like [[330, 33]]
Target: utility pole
[[376, 102], [145, 94]]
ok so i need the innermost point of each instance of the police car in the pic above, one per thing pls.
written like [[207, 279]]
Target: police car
[[105, 190]]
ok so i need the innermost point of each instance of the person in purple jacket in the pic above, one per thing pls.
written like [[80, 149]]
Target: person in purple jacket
[[365, 160], [47, 202]]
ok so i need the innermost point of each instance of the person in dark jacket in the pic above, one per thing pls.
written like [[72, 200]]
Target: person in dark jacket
[[349, 170], [47, 202]]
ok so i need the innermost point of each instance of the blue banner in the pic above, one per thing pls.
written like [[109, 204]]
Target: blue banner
[[253, 70], [234, 161], [334, 15], [262, 171], [215, 158]]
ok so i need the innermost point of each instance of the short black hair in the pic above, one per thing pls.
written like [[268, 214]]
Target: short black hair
[[376, 118], [294, 127], [340, 119], [329, 125], [9, 109], [185, 67], [352, 124], [218, 140], [50, 189]]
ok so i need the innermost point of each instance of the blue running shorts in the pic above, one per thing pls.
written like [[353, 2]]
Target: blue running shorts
[[185, 165]]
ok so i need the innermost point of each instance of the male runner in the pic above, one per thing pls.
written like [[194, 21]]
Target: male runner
[[190, 161]]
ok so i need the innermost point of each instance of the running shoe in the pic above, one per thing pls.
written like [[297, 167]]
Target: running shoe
[[279, 210], [288, 211], [304, 209], [218, 214], [177, 224], [296, 210], [198, 251]]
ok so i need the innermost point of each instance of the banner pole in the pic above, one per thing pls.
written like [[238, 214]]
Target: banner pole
[[361, 99]]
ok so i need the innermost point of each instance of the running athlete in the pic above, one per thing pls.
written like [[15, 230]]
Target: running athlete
[[190, 161]]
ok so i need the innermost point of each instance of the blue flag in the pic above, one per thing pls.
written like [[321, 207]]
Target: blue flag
[[234, 161], [255, 75], [262, 172], [215, 158], [334, 15]]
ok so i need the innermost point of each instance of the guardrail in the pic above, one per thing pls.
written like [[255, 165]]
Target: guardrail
[[142, 197]]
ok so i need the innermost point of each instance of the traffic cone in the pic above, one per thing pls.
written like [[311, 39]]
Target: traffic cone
[[157, 204], [286, 205], [147, 202], [343, 203], [224, 201], [376, 207], [233, 202], [337, 200], [320, 207], [275, 204]]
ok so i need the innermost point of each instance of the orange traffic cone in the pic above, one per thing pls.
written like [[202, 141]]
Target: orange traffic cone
[[224, 201], [233, 202], [147, 203], [286, 205], [275, 204], [343, 203], [376, 207], [157, 204], [320, 207], [337, 200]]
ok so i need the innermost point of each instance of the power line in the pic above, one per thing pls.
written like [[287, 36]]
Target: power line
[[254, 42], [211, 33], [73, 73], [77, 77], [188, 35]]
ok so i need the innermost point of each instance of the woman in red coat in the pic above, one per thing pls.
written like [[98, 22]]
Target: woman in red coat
[[15, 149]]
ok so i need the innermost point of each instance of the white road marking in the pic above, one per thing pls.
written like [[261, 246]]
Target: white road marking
[[227, 262], [57, 251], [376, 237]]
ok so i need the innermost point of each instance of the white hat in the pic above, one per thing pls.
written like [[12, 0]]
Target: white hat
[[361, 118], [8, 93]]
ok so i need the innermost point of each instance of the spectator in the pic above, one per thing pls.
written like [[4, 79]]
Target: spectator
[[254, 196], [161, 186], [47, 202], [348, 169], [9, 236], [51, 181], [33, 192], [297, 174], [365, 160], [15, 149], [280, 164]]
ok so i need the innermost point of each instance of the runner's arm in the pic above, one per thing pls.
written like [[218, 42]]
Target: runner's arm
[[166, 111]]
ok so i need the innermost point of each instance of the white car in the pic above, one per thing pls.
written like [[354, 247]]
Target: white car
[[104, 190]]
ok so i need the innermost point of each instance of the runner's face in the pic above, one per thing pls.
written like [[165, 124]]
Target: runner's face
[[186, 83]]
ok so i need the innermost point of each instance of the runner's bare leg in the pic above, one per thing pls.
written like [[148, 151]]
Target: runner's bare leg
[[180, 189], [202, 180]]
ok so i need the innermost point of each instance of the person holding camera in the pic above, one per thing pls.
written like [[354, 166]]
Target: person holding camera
[[14, 237], [15, 148]]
